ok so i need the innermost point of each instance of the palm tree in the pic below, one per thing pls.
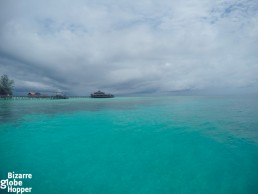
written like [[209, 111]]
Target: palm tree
[[6, 86]]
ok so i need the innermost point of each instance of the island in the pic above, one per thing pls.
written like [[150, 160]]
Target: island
[[100, 94]]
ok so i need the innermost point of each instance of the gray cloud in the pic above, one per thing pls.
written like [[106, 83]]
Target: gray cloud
[[129, 46]]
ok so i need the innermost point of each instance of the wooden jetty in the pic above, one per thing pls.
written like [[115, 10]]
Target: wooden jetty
[[36, 97]]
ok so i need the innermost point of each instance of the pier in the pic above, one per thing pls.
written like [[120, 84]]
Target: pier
[[36, 97]]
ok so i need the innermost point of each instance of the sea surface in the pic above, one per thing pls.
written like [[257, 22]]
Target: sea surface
[[132, 145]]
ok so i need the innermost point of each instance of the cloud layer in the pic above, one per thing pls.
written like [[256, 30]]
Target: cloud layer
[[129, 46]]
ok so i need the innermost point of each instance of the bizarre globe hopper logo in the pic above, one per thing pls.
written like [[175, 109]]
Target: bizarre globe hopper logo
[[14, 183]]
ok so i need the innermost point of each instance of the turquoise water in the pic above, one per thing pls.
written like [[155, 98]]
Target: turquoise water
[[132, 145]]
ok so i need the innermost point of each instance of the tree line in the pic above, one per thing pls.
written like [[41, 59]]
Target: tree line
[[6, 86]]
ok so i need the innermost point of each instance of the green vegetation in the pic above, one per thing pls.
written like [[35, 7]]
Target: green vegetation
[[6, 86]]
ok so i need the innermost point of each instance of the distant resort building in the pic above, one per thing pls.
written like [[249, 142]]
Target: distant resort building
[[100, 94], [37, 95]]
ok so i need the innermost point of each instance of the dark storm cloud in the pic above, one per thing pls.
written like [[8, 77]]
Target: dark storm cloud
[[129, 46]]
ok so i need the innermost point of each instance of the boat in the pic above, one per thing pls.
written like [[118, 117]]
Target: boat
[[100, 94]]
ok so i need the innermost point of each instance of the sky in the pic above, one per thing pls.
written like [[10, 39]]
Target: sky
[[129, 47]]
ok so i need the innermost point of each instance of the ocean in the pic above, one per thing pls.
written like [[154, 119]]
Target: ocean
[[132, 145]]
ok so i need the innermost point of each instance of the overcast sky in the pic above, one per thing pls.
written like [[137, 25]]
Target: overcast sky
[[124, 47]]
